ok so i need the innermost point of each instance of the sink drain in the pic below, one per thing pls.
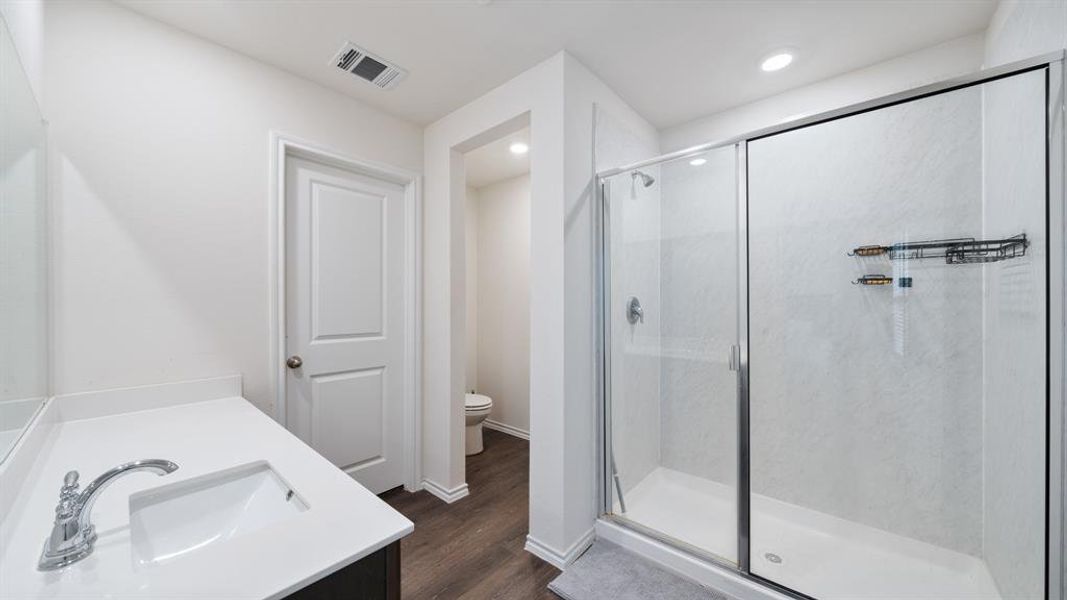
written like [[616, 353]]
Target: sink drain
[[772, 557]]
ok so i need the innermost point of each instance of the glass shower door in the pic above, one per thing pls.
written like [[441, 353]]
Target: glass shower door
[[897, 290], [672, 327]]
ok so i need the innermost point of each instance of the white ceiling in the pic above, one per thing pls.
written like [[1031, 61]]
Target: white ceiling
[[495, 162], [672, 60]]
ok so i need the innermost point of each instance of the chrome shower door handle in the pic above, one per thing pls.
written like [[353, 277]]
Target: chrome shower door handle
[[735, 358], [634, 312]]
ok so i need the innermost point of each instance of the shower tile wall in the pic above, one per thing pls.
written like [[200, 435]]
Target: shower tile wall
[[635, 271], [698, 263], [867, 401], [1014, 324]]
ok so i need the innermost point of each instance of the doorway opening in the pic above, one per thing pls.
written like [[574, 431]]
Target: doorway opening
[[495, 300], [497, 252]]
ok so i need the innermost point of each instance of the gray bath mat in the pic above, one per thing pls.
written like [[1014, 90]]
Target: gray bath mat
[[607, 572]]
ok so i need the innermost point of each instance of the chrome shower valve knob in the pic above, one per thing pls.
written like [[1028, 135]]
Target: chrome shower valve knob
[[634, 312]]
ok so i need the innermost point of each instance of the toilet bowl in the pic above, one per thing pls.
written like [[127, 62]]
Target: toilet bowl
[[478, 407]]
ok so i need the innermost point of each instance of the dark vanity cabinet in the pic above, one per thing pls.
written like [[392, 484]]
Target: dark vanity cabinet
[[373, 577]]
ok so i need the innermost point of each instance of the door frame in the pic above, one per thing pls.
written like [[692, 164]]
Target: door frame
[[283, 146]]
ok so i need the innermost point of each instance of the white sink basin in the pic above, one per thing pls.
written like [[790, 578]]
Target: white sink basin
[[172, 520]]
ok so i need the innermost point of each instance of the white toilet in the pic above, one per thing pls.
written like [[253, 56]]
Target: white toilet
[[478, 408]]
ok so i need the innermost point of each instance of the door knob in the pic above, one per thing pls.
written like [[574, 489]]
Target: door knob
[[294, 362]]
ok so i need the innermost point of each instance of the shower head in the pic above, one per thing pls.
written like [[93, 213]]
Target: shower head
[[646, 179]]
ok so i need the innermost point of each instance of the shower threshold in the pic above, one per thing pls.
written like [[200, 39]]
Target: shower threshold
[[820, 555]]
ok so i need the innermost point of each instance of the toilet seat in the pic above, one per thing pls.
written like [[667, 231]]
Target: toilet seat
[[477, 401]]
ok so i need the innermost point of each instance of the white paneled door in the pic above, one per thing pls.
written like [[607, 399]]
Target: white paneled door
[[344, 319]]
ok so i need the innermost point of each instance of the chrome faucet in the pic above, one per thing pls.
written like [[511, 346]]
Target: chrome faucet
[[73, 534]]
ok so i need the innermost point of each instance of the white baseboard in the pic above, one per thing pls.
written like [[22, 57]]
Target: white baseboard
[[505, 428], [448, 495], [685, 565], [558, 559]]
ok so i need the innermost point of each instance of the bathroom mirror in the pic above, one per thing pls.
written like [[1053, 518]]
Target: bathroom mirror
[[23, 250]]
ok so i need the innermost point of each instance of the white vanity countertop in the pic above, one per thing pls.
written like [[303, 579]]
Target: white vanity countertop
[[344, 521]]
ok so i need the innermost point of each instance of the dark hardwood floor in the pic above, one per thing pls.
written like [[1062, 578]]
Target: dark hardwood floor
[[473, 548]]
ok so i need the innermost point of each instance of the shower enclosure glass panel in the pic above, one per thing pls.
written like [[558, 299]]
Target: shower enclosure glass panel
[[898, 393], [672, 325]]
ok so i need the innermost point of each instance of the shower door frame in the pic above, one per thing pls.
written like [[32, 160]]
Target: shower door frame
[[1054, 66]]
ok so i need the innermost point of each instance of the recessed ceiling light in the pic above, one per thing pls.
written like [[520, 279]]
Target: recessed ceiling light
[[696, 162], [519, 148], [777, 61]]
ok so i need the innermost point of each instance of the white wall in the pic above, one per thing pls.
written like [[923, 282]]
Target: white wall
[[471, 250], [585, 97], [502, 297], [160, 167], [534, 98], [950, 59], [25, 22], [557, 96], [1022, 29]]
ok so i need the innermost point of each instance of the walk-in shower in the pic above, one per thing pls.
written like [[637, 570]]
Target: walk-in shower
[[843, 379]]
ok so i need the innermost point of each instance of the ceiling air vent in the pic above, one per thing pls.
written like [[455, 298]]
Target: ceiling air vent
[[365, 65]]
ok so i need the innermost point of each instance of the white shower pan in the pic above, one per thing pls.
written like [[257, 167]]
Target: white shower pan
[[827, 557]]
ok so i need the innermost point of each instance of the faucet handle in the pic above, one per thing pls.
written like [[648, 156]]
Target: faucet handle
[[70, 485], [67, 496], [65, 509]]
